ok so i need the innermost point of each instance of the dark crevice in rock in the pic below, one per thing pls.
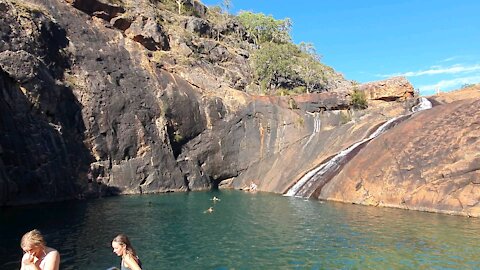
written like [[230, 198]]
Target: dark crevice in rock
[[121, 23], [96, 8], [388, 99], [175, 140], [147, 42], [216, 183]]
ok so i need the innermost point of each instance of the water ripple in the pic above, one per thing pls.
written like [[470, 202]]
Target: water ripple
[[245, 231]]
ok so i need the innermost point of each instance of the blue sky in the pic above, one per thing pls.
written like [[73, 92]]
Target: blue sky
[[434, 43]]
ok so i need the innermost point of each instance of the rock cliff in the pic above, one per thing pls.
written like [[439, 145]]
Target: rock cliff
[[430, 162], [122, 97]]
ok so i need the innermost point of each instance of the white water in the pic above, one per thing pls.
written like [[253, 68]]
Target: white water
[[424, 104], [317, 125], [335, 161], [304, 183]]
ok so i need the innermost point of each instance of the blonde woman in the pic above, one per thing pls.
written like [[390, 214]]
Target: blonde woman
[[122, 247], [36, 253]]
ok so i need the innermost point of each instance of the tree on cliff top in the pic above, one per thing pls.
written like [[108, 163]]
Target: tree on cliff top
[[272, 65], [265, 28], [278, 63], [311, 70]]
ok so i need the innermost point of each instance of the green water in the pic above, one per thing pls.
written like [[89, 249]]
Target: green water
[[245, 231]]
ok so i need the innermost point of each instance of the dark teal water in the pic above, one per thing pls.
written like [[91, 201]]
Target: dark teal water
[[245, 231]]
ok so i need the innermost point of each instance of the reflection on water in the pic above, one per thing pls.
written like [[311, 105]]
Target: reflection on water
[[245, 231]]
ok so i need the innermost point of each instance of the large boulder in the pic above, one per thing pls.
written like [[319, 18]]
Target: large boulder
[[396, 88], [98, 8], [20, 65], [198, 25], [147, 32]]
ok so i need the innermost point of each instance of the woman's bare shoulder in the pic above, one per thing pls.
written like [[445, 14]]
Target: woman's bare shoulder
[[51, 252], [49, 249]]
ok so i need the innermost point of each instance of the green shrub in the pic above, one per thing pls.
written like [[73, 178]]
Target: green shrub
[[345, 117], [283, 92], [300, 122], [359, 100], [299, 90], [292, 104], [177, 137]]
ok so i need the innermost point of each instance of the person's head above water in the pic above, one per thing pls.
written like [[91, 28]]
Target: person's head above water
[[33, 242], [36, 253], [121, 246]]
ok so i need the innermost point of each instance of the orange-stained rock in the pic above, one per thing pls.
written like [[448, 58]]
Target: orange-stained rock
[[396, 88], [430, 162]]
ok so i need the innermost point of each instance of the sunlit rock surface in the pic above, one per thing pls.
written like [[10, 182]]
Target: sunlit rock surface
[[396, 88], [125, 97], [430, 162]]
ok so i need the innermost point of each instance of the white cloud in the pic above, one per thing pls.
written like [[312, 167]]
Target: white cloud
[[449, 59], [450, 84], [455, 69]]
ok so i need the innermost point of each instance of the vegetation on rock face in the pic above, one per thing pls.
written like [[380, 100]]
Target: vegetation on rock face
[[359, 100], [312, 71], [26, 9], [180, 7], [345, 117], [273, 65], [467, 85], [278, 63], [249, 52], [265, 28]]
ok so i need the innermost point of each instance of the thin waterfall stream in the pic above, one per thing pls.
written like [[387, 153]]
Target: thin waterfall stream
[[315, 179]]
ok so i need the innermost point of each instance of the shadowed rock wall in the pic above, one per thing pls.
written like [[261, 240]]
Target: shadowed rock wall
[[41, 129]]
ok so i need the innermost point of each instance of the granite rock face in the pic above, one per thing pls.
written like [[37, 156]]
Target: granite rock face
[[318, 102], [104, 112], [98, 98], [430, 162], [41, 129]]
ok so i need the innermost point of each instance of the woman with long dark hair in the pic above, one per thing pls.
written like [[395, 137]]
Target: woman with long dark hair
[[123, 248]]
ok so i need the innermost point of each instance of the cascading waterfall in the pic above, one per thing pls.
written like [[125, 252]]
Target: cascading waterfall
[[424, 104], [318, 177], [317, 125]]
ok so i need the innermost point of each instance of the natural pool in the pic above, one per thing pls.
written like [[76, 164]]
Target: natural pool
[[245, 231]]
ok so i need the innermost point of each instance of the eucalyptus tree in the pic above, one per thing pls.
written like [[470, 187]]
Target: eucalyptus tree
[[310, 69], [276, 61], [226, 4], [265, 28], [273, 63]]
